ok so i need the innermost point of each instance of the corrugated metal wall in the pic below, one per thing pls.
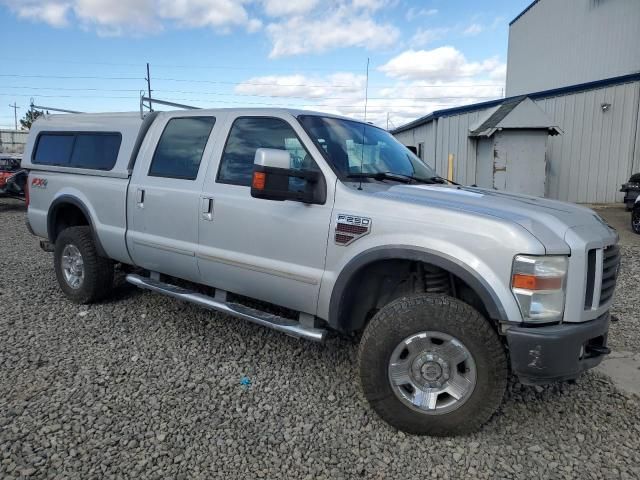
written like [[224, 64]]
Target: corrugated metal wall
[[12, 141], [566, 42], [587, 164], [597, 151]]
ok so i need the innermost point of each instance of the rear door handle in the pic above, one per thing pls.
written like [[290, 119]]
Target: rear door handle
[[140, 197], [207, 209]]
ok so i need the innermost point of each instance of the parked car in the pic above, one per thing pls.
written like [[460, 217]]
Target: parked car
[[12, 177], [631, 190], [311, 223], [635, 216]]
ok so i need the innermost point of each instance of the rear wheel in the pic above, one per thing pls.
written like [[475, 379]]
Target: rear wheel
[[432, 365], [83, 275], [635, 219]]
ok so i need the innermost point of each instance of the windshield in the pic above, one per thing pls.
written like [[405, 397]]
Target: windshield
[[354, 148]]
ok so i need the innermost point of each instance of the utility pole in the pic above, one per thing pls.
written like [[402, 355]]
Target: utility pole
[[387, 121], [148, 79], [15, 114]]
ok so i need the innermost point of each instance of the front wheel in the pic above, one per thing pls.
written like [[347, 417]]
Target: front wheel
[[83, 275], [432, 365]]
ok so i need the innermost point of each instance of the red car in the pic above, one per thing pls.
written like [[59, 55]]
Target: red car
[[13, 179]]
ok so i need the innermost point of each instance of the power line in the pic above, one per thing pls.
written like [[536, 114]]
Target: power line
[[187, 92], [268, 84], [242, 102], [164, 65]]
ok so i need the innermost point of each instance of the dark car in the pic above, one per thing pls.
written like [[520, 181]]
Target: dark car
[[13, 178], [631, 190]]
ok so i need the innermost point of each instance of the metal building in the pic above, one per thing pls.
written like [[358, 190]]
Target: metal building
[[599, 118], [556, 43]]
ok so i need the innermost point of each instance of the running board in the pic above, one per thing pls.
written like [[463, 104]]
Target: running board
[[285, 325]]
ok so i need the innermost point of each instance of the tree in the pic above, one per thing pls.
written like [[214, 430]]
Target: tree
[[29, 118]]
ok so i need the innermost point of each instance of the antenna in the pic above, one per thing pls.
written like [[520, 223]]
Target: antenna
[[364, 125], [366, 92]]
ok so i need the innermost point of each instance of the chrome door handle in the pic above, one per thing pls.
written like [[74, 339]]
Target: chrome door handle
[[207, 209], [140, 197]]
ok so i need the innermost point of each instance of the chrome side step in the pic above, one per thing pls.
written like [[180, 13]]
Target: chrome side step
[[285, 325]]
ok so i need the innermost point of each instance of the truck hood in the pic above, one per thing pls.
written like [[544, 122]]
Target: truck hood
[[547, 220]]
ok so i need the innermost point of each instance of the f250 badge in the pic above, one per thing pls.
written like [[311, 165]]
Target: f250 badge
[[349, 228], [39, 182]]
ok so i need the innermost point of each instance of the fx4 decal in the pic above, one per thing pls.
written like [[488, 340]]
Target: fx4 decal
[[39, 182]]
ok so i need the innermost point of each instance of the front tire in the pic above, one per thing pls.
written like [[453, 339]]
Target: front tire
[[83, 275], [432, 365]]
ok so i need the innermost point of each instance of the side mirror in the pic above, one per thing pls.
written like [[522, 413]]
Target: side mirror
[[274, 179]]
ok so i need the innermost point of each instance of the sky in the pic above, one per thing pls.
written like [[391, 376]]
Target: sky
[[91, 55]]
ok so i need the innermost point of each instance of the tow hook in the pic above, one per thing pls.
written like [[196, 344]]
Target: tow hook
[[597, 350], [46, 245]]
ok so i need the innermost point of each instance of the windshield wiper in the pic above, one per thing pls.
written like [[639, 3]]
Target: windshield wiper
[[398, 177], [438, 179]]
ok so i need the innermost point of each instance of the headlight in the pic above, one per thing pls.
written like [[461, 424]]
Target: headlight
[[538, 284]]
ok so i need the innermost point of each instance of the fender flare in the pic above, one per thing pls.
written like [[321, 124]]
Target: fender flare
[[486, 293], [53, 212]]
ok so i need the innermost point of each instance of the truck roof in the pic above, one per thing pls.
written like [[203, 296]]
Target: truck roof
[[130, 127]]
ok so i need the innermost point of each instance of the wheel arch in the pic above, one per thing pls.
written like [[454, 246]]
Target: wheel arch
[[61, 207], [340, 296]]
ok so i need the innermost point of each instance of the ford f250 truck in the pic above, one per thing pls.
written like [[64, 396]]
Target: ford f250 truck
[[311, 223]]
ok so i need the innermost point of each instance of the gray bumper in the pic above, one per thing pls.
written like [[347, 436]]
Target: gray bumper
[[558, 352]]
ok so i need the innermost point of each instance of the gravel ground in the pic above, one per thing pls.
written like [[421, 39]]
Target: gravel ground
[[146, 387]]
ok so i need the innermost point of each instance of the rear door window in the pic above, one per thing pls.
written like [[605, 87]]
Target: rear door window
[[179, 151]]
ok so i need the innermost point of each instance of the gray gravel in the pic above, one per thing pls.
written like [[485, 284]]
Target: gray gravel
[[625, 334], [147, 387]]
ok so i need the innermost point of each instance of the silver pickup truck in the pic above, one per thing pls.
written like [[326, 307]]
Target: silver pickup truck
[[311, 223]]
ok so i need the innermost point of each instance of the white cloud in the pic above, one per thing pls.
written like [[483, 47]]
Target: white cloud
[[111, 17], [414, 13], [439, 63], [343, 26], [499, 73], [473, 29], [370, 5], [302, 86], [344, 94], [278, 8], [53, 13], [425, 36], [202, 13]]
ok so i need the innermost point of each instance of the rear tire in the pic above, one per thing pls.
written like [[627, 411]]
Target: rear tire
[[83, 275], [450, 347]]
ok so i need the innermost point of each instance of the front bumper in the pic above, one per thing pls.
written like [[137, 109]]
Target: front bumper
[[557, 352]]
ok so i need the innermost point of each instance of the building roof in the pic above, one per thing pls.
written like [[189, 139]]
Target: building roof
[[516, 113], [531, 5], [634, 77]]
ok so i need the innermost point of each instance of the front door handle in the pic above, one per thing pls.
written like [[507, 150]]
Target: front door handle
[[207, 209], [140, 198]]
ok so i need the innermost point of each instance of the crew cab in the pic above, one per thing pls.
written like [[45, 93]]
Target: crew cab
[[312, 224]]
